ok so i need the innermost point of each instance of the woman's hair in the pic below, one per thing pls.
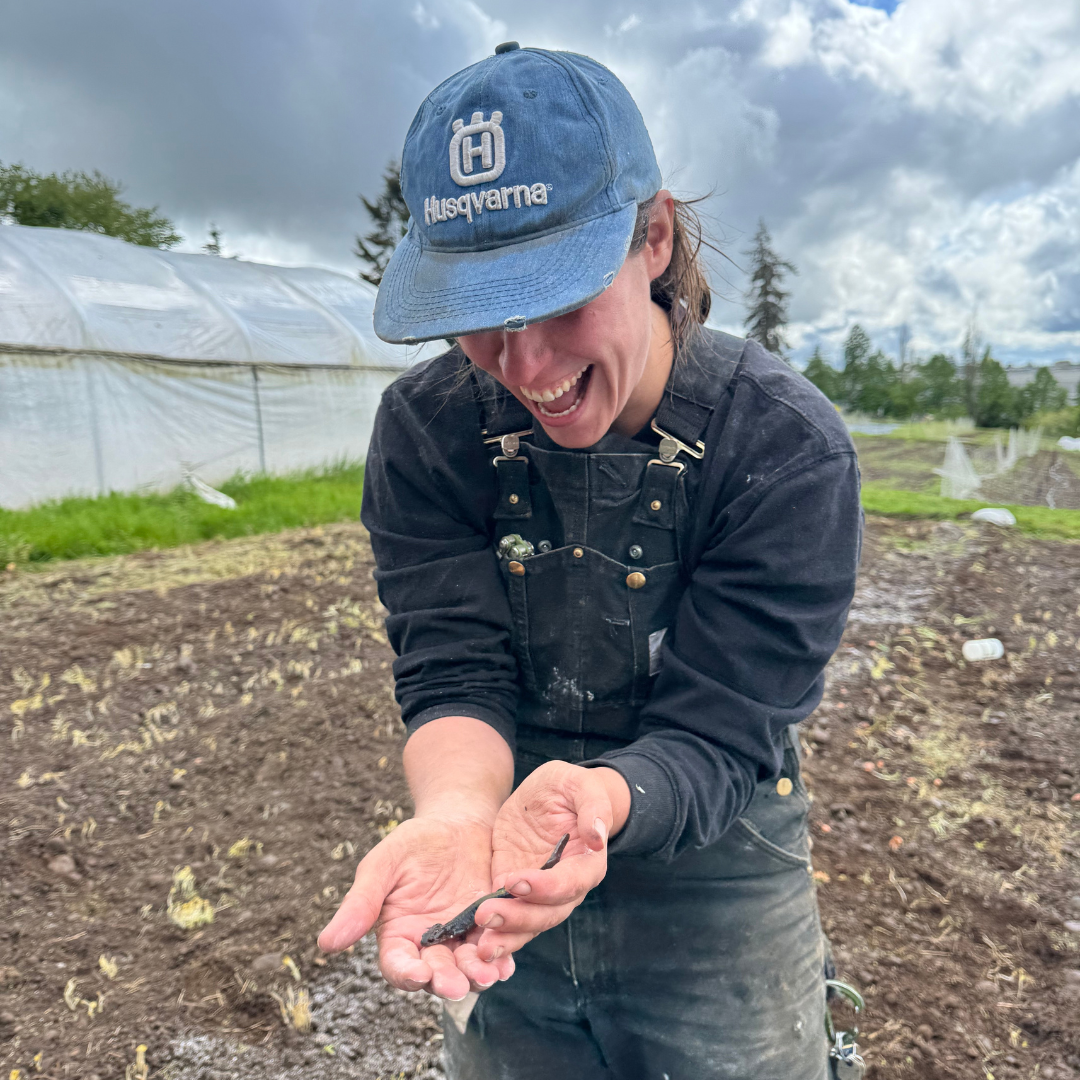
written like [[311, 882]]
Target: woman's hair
[[683, 288]]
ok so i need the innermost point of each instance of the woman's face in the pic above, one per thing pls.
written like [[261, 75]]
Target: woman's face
[[578, 373]]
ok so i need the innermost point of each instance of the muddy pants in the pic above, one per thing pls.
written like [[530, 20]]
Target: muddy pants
[[706, 968]]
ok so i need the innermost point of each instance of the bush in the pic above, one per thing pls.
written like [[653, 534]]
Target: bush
[[1056, 423]]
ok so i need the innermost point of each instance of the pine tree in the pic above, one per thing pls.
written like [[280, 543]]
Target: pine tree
[[970, 366], [213, 247], [767, 301], [856, 353], [997, 403], [823, 375], [391, 218]]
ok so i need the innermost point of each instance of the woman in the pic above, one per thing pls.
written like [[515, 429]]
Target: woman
[[617, 550]]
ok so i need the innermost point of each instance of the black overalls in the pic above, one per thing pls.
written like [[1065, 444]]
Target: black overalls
[[709, 966]]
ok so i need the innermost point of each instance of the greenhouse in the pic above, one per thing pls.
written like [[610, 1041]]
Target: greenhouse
[[127, 368]]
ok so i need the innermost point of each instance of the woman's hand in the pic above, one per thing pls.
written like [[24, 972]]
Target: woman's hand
[[557, 798], [423, 872]]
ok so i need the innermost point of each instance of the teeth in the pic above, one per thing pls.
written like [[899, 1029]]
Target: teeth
[[565, 412], [555, 391]]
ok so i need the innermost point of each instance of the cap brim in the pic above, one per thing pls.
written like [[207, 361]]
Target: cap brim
[[427, 294]]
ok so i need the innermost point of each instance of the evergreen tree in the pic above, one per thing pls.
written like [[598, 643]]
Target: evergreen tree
[[943, 393], [88, 202], [997, 402], [213, 246], [969, 366], [1043, 394], [391, 219], [823, 375], [856, 352], [878, 379], [767, 300]]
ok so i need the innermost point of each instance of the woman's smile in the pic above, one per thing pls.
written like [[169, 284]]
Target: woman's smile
[[559, 401]]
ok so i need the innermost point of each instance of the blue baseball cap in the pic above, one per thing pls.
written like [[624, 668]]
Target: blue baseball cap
[[523, 174]]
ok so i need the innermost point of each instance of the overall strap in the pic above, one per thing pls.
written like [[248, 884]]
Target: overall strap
[[699, 380], [504, 422]]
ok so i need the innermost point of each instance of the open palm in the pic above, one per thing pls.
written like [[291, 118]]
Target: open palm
[[424, 872]]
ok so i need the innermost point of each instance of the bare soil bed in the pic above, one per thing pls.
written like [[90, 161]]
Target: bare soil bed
[[228, 709]]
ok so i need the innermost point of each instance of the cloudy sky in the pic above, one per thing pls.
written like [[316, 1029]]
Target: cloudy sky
[[919, 161]]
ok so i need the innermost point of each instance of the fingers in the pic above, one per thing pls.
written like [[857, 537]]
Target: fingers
[[565, 883], [593, 806], [447, 980], [400, 963], [501, 947], [517, 917], [362, 904], [481, 971]]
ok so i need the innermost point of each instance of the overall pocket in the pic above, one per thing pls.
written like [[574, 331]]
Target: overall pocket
[[776, 821]]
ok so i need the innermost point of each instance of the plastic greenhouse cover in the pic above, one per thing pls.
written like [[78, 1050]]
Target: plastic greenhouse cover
[[65, 289]]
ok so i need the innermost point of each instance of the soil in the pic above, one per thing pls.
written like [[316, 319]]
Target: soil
[[228, 709]]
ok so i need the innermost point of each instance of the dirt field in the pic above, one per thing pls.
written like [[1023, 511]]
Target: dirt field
[[228, 709]]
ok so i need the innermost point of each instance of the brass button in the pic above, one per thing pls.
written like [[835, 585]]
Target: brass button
[[783, 786], [655, 504], [514, 500], [516, 569], [635, 580], [578, 553]]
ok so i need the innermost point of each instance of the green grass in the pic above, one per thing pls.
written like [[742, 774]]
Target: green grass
[[1035, 520], [116, 524]]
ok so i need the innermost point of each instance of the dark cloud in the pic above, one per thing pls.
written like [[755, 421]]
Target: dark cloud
[[905, 158]]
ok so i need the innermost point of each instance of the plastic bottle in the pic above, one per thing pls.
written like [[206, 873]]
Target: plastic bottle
[[983, 649]]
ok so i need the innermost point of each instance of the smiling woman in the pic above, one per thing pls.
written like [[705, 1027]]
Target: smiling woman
[[617, 550]]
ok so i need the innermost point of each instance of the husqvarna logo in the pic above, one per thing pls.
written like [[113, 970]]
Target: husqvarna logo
[[489, 146]]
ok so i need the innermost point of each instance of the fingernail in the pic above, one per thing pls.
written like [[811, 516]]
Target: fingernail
[[601, 828], [494, 922], [522, 888], [462, 998], [496, 953]]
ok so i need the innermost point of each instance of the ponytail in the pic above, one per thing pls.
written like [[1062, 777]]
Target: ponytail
[[683, 288]]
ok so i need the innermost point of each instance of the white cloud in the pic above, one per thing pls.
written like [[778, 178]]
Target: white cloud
[[424, 18], [992, 60], [933, 261], [791, 38], [916, 167]]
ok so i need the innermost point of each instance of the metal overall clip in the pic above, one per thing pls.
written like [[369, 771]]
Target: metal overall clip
[[670, 448], [513, 476], [845, 1062]]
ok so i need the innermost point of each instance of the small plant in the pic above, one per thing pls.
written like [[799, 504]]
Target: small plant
[[295, 1008], [186, 908], [138, 1069]]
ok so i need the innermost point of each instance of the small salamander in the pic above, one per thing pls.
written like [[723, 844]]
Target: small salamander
[[465, 920]]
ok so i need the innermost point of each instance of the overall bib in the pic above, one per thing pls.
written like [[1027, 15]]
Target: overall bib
[[708, 967]]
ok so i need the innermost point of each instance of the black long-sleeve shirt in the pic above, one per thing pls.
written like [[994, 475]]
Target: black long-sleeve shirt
[[774, 551]]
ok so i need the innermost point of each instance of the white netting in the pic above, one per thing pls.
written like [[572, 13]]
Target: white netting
[[1016, 470], [959, 480]]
